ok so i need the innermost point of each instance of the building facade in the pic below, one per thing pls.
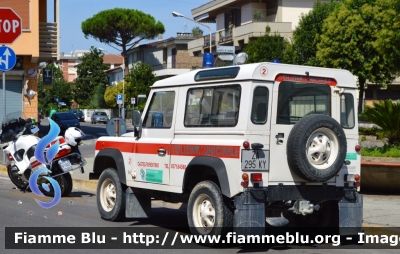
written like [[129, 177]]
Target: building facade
[[167, 57], [239, 20], [39, 42]]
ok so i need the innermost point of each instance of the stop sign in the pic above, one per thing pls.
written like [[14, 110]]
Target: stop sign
[[10, 25]]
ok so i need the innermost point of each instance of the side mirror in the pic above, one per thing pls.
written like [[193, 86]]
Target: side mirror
[[137, 122], [136, 117]]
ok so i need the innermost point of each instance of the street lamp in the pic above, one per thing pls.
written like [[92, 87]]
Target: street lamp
[[123, 78], [176, 14]]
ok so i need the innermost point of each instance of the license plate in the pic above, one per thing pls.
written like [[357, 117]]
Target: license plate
[[255, 160], [65, 164]]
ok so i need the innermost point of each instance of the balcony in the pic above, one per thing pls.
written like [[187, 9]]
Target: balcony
[[225, 36], [257, 29], [240, 35], [48, 41], [206, 39]]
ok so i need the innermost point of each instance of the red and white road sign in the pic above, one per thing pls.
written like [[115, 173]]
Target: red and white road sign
[[10, 25]]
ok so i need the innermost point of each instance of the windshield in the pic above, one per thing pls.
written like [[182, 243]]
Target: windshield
[[11, 117], [68, 116], [99, 113]]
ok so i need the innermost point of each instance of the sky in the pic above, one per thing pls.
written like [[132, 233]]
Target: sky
[[74, 12]]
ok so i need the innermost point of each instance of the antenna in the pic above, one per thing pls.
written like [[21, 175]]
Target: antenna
[[184, 27]]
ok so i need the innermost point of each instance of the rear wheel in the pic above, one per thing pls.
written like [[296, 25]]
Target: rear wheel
[[65, 182], [16, 179], [208, 213]]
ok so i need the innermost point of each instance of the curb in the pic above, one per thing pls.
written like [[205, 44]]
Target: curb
[[380, 164], [376, 229]]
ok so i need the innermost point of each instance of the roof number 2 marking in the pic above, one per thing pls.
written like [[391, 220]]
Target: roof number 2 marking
[[264, 71]]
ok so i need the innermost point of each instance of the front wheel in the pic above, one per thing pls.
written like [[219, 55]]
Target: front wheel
[[111, 196], [16, 179], [208, 213]]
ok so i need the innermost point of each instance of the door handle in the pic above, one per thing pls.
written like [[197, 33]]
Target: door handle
[[162, 152], [279, 138]]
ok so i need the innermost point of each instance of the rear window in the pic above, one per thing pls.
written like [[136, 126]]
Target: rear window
[[298, 99]]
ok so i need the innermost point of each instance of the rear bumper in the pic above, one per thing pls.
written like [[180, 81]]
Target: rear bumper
[[252, 204]]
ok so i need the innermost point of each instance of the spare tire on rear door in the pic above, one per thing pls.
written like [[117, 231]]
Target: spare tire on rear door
[[316, 148]]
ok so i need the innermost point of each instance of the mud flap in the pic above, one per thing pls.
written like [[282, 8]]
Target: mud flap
[[249, 217], [351, 214], [138, 205]]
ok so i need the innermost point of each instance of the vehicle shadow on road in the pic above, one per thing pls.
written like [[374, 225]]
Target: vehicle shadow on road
[[81, 194]]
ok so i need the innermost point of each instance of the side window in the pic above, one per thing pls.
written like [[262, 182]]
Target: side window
[[297, 99], [259, 110], [212, 106], [161, 109], [347, 111]]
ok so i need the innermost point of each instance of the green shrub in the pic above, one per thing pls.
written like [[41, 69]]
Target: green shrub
[[385, 151], [386, 115]]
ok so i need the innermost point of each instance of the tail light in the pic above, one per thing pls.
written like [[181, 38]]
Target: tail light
[[245, 178], [358, 148], [353, 178], [246, 144], [256, 177], [63, 152]]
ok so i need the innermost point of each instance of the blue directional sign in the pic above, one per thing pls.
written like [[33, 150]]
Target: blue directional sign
[[7, 58]]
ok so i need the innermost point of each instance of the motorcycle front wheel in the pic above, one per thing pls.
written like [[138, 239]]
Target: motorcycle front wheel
[[16, 179]]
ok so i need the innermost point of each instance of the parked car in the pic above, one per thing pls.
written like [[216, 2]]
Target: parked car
[[99, 117], [65, 120], [79, 114]]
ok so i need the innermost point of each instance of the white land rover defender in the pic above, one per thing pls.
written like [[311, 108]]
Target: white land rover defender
[[244, 146]]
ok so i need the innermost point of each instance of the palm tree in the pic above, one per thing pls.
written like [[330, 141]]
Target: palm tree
[[386, 115]]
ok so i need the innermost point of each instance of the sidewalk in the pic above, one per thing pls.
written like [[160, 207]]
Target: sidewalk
[[380, 211]]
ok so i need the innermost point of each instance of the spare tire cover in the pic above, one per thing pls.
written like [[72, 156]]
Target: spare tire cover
[[316, 148]]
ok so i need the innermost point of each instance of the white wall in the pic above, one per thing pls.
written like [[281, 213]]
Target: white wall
[[292, 10], [153, 56], [169, 57]]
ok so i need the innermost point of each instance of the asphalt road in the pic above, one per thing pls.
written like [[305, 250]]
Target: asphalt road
[[19, 209]]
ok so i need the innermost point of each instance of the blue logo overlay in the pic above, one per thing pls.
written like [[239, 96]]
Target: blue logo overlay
[[50, 154]]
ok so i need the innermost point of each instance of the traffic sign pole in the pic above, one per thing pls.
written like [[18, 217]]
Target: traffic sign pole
[[4, 93], [7, 62]]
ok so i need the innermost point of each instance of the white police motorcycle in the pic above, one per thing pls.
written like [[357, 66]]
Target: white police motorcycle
[[19, 145]]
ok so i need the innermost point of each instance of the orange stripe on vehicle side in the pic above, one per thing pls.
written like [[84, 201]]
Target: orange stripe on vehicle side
[[122, 146], [151, 148], [175, 149]]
